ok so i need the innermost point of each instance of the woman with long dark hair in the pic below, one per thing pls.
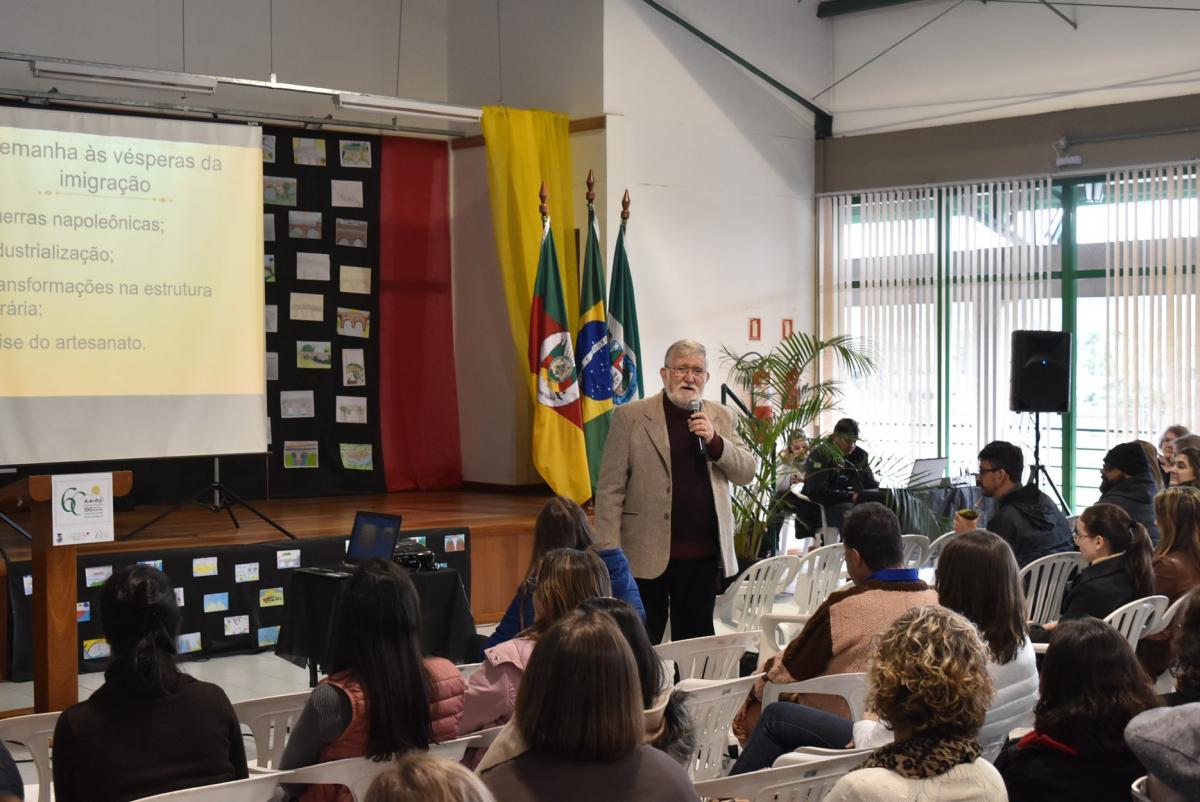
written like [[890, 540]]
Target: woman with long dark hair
[[668, 725], [382, 697], [1091, 687], [1185, 468], [150, 728], [562, 524], [1176, 565], [578, 728], [1119, 553]]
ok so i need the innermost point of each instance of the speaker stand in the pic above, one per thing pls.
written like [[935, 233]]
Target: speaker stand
[[1038, 469]]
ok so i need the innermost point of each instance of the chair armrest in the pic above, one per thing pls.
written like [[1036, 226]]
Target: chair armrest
[[1040, 648], [813, 754], [769, 643]]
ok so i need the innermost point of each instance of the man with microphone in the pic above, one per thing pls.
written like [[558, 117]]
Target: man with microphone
[[664, 494]]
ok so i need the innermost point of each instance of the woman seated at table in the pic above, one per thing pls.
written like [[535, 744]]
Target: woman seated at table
[[578, 729], [382, 697], [150, 728], [1118, 552], [562, 524], [565, 579]]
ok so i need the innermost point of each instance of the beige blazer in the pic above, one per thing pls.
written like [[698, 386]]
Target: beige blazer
[[633, 494]]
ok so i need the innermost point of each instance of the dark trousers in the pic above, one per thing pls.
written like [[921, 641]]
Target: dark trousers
[[687, 591], [785, 727]]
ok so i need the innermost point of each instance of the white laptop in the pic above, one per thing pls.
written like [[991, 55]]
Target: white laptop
[[927, 471]]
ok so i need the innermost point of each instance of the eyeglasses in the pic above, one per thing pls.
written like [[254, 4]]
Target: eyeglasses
[[683, 372], [982, 471]]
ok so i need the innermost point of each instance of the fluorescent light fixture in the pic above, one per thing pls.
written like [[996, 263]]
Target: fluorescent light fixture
[[125, 76], [403, 106]]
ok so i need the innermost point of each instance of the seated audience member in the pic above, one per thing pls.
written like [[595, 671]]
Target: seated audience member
[[1025, 517], [12, 787], [562, 524], [1167, 742], [1176, 565], [1127, 481], [150, 728], [1185, 468], [977, 578], [421, 777], [838, 473], [382, 697], [1186, 641], [1091, 687], [1166, 447], [1156, 473], [928, 682], [565, 579], [668, 725], [1118, 571], [578, 729], [837, 638]]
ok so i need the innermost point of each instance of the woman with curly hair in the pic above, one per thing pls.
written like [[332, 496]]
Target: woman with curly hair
[[1092, 685], [928, 681]]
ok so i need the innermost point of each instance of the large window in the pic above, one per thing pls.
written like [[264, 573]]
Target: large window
[[935, 280]]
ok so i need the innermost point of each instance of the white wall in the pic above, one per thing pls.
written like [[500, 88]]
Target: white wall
[[719, 167], [988, 60]]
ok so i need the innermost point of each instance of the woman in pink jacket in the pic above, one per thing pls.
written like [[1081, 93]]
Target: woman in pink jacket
[[381, 697]]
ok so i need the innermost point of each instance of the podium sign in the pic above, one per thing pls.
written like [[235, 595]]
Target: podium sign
[[81, 507]]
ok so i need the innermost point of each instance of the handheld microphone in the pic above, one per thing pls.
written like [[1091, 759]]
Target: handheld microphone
[[699, 449]]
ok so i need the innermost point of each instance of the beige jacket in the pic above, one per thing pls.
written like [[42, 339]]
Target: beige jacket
[[633, 494]]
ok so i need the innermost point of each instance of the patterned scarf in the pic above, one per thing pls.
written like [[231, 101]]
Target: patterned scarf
[[924, 756]]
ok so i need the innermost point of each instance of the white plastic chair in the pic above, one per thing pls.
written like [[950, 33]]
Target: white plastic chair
[[753, 593], [935, 548], [1161, 622], [1046, 583], [1139, 790], [270, 719], [816, 754], [1130, 620], [467, 669], [454, 750], [257, 788], [807, 782], [826, 535], [916, 550], [34, 733], [711, 657], [819, 574], [712, 705], [851, 687], [355, 773], [993, 735]]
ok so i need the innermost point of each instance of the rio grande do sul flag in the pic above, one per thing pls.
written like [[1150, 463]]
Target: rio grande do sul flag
[[559, 453]]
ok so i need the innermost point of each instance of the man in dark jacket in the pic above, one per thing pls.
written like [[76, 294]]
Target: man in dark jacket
[[1025, 517], [837, 475], [1128, 484]]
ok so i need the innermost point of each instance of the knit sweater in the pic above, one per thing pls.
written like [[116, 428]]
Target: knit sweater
[[837, 639], [969, 782]]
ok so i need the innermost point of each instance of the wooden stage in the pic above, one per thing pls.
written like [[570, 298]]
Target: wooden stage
[[501, 530]]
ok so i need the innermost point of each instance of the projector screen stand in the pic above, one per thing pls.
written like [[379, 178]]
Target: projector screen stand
[[222, 499]]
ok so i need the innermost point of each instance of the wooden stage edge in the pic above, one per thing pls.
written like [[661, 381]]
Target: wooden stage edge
[[501, 527]]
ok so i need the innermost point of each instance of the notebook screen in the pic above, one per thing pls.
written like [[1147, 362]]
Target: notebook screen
[[374, 535]]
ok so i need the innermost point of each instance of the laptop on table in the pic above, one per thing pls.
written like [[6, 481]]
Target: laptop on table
[[374, 536]]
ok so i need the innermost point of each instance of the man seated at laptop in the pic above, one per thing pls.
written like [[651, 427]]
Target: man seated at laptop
[[838, 474]]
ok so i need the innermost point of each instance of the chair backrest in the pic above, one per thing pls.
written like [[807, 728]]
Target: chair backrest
[[356, 773], [819, 574], [712, 705], [256, 788], [753, 593], [1139, 790], [916, 550], [804, 782], [993, 735], [34, 733], [1131, 619], [851, 687], [270, 719], [935, 548], [1161, 622], [711, 657], [1045, 582], [467, 669], [454, 750]]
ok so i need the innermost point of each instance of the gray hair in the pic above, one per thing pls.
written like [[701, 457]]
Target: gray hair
[[684, 348]]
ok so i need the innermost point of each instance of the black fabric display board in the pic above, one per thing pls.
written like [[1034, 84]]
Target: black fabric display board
[[243, 598]]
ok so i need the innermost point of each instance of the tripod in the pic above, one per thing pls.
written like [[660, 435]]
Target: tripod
[[221, 498], [1038, 469]]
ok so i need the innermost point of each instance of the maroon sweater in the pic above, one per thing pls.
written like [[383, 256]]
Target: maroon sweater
[[694, 529]]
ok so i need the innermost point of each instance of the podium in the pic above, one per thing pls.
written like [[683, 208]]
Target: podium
[[55, 583]]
